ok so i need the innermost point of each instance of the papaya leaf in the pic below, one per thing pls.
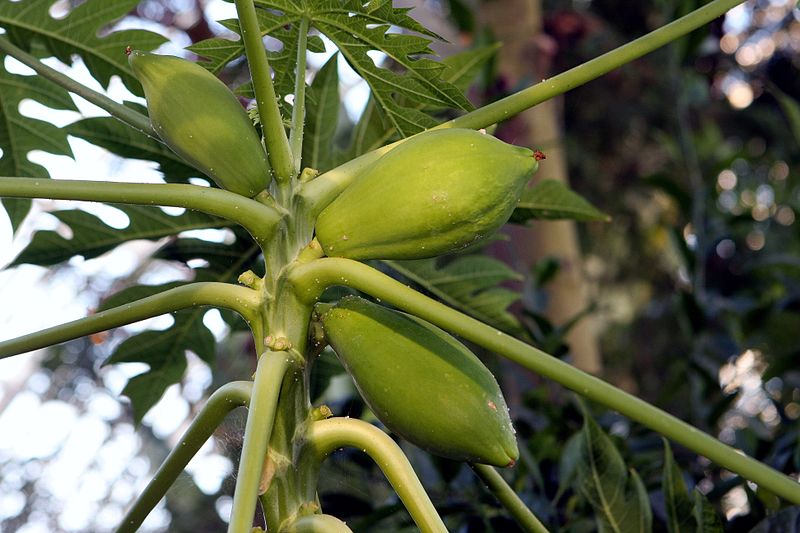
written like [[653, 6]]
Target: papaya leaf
[[224, 262], [165, 351], [93, 237], [468, 283], [124, 141], [552, 200], [679, 506], [19, 134], [617, 495], [357, 28], [708, 521], [322, 112], [461, 69], [82, 32], [568, 464], [280, 26], [686, 512]]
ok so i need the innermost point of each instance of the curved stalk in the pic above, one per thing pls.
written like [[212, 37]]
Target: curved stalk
[[317, 523], [125, 114], [280, 155], [321, 191], [508, 498], [258, 219], [224, 400], [509, 106], [312, 278], [240, 299], [328, 435], [272, 366], [299, 108]]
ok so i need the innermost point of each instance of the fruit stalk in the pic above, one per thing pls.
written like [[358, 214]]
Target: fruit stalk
[[125, 114], [326, 436], [258, 219], [240, 299]]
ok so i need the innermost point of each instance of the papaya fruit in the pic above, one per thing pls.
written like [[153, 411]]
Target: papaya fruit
[[200, 119], [436, 193], [422, 383]]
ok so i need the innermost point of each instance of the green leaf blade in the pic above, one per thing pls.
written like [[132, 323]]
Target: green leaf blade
[[92, 237], [553, 200]]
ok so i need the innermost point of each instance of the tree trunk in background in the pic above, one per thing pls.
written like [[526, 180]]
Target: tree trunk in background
[[524, 60]]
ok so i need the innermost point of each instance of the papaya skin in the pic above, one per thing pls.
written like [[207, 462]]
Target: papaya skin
[[200, 119], [422, 383], [436, 193]]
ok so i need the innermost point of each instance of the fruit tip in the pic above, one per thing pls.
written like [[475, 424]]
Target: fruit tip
[[539, 155]]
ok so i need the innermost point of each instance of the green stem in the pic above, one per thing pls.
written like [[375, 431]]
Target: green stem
[[313, 278], [508, 497], [258, 219], [224, 400], [317, 523], [260, 417], [516, 103], [240, 299], [280, 155], [329, 435], [299, 108], [123, 113]]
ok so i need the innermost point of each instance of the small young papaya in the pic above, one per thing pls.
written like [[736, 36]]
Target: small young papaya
[[423, 384], [436, 193], [201, 120]]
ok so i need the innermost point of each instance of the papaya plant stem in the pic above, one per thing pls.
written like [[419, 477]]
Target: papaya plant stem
[[329, 435], [516, 103], [240, 299], [224, 400], [317, 523], [299, 108], [311, 279], [123, 113], [280, 155], [508, 498], [258, 219], [260, 417]]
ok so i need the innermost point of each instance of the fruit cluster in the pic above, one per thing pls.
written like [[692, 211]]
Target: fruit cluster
[[436, 193]]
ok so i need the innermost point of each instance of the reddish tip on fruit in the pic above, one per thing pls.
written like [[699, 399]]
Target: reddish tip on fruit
[[539, 155]]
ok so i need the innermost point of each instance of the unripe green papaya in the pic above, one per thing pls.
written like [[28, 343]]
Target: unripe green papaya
[[201, 120], [438, 192], [423, 384]]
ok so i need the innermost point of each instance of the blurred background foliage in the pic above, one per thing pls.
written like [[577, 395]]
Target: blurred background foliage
[[694, 289]]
